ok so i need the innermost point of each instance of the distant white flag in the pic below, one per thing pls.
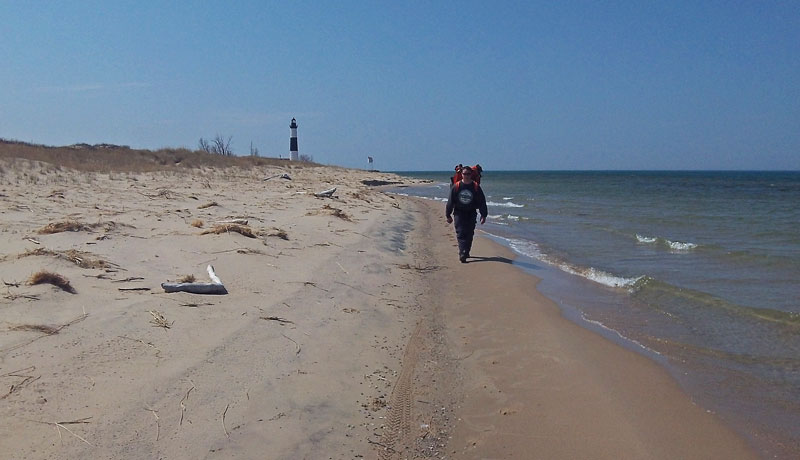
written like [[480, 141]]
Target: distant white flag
[[370, 159]]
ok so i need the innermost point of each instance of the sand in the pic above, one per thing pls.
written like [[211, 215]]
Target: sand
[[350, 330]]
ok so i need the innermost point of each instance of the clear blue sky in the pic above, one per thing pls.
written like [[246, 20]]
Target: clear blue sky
[[416, 85]]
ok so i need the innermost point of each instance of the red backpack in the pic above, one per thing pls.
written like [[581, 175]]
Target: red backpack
[[475, 185]]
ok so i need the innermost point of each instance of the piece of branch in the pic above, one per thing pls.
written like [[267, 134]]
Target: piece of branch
[[158, 424], [183, 406], [132, 278], [326, 193], [282, 176], [223, 420], [276, 318], [297, 352], [215, 287], [232, 221]]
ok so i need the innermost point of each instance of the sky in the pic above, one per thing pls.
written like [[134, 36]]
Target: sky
[[417, 85]]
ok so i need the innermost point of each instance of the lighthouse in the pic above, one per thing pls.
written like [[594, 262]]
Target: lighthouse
[[293, 141]]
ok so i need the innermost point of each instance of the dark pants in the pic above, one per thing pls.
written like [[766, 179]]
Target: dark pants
[[465, 229]]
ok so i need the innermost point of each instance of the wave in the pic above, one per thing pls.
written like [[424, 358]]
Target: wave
[[531, 249], [618, 334], [676, 246], [654, 292], [509, 204]]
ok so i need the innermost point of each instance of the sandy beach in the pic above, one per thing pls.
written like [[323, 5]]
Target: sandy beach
[[349, 330]]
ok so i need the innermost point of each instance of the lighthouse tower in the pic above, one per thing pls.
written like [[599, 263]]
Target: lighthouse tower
[[293, 142]]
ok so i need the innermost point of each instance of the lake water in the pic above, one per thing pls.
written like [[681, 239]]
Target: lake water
[[698, 270]]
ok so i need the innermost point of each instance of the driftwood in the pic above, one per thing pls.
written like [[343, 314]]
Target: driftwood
[[326, 193], [282, 176], [214, 287], [232, 221]]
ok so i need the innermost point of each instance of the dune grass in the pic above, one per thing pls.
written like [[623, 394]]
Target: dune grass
[[120, 158], [80, 258], [45, 277], [227, 228]]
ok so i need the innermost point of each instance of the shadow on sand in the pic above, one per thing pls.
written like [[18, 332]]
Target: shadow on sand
[[505, 260]]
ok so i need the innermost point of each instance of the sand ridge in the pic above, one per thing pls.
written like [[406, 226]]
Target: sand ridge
[[298, 359]]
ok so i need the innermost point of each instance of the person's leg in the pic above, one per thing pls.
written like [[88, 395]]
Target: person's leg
[[460, 223], [469, 233], [465, 229]]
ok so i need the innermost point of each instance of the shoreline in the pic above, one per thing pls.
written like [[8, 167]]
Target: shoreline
[[532, 378], [345, 330]]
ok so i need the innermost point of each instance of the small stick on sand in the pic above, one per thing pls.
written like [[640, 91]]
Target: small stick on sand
[[276, 318], [159, 320], [59, 425], [158, 424], [223, 421], [297, 352], [185, 398], [132, 278]]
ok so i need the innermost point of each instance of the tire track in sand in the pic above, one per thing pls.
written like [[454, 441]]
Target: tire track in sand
[[396, 434]]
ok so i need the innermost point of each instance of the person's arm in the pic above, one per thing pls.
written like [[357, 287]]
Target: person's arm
[[448, 210], [482, 205]]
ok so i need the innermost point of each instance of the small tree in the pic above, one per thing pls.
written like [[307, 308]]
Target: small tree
[[204, 146], [253, 150], [221, 147], [306, 158]]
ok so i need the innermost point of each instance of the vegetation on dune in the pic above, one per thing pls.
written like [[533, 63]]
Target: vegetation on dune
[[121, 158], [45, 277]]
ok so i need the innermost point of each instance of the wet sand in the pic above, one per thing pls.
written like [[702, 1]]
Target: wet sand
[[536, 385]]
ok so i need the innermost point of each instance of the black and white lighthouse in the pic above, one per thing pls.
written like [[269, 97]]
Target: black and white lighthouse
[[293, 155]]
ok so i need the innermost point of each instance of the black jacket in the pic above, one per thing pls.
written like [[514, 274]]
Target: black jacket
[[466, 199]]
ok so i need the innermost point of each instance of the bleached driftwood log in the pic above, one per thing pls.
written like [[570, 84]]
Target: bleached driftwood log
[[214, 287], [326, 193], [282, 176], [232, 221]]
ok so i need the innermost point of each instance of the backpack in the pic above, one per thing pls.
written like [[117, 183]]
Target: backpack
[[474, 184]]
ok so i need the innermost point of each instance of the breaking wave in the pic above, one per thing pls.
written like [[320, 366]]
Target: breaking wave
[[508, 204], [533, 250], [677, 246]]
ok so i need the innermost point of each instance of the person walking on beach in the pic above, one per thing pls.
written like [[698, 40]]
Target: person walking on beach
[[465, 200], [457, 176]]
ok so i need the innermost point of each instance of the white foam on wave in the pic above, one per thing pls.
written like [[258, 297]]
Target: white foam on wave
[[677, 246], [509, 204], [508, 198], [610, 280], [512, 217], [532, 250], [646, 239]]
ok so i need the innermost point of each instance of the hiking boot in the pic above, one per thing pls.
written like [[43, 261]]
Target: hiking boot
[[463, 257]]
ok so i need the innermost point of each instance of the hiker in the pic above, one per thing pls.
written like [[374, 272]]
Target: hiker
[[465, 200], [455, 178], [477, 170]]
